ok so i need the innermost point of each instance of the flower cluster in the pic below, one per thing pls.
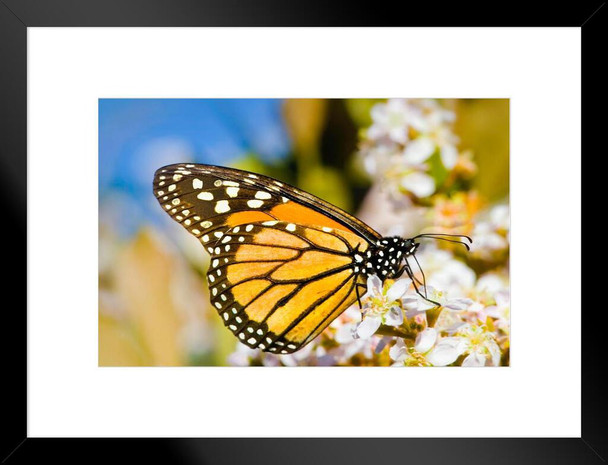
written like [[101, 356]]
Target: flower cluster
[[411, 148], [456, 313]]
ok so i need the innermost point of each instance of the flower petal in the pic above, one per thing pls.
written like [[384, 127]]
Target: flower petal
[[398, 288], [368, 326], [446, 351], [399, 351], [419, 150], [474, 359], [420, 184], [345, 334], [458, 304], [382, 344], [425, 340], [398, 134], [494, 350], [374, 285], [410, 302], [394, 317], [449, 156]]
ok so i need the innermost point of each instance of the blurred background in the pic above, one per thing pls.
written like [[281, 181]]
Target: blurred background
[[400, 165]]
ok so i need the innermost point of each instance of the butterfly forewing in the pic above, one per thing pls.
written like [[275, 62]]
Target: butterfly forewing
[[207, 205]]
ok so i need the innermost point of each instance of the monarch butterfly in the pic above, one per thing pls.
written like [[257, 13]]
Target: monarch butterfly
[[284, 263]]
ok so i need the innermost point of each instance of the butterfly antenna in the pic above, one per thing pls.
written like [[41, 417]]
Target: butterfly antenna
[[421, 271], [443, 237]]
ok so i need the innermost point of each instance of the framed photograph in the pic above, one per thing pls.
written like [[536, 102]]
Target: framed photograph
[[353, 242], [273, 275]]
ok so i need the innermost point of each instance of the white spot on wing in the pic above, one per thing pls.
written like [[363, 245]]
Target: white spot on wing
[[262, 195], [255, 203], [205, 196], [222, 206], [232, 191]]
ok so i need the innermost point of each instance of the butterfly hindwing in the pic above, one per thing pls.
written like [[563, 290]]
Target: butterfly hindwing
[[277, 285]]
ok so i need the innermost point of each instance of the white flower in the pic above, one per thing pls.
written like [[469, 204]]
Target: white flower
[[481, 346], [491, 232], [428, 349], [501, 310], [346, 336], [415, 355], [393, 119], [403, 136], [382, 305]]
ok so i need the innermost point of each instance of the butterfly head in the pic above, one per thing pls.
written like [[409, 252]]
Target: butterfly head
[[408, 246]]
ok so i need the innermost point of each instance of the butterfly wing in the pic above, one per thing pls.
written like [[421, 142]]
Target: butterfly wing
[[277, 285], [207, 200], [283, 262]]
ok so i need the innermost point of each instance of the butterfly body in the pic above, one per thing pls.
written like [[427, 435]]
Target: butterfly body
[[283, 263], [385, 258]]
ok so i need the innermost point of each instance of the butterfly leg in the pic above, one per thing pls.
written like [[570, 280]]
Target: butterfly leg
[[411, 275], [357, 286], [358, 297]]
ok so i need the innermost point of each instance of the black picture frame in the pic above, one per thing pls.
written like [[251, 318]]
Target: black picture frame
[[17, 15]]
